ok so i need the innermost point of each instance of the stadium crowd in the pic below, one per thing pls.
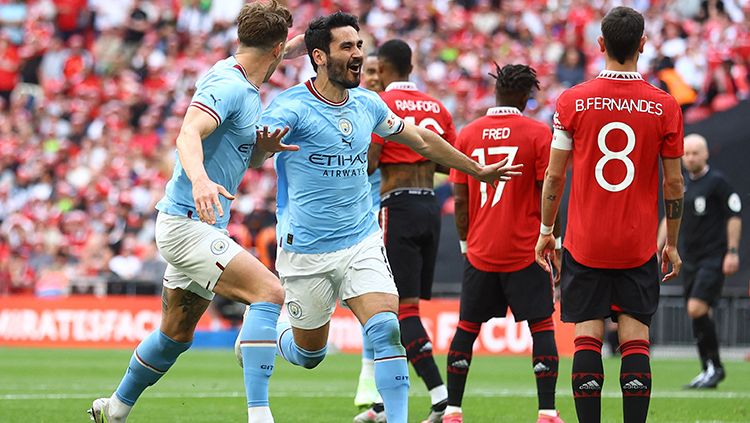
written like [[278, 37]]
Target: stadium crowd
[[92, 93]]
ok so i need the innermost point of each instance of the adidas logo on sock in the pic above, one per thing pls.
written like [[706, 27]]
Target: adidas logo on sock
[[634, 385], [540, 368], [591, 385], [426, 347], [460, 364]]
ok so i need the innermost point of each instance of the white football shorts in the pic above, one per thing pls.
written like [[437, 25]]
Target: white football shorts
[[313, 282], [197, 253]]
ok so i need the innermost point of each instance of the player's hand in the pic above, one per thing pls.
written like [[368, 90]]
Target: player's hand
[[731, 264], [669, 255], [499, 171], [544, 251], [271, 143], [206, 196], [295, 47]]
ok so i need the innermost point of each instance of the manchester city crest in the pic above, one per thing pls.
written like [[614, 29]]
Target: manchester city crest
[[218, 246], [345, 126]]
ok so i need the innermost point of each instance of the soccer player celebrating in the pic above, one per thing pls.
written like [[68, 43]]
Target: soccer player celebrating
[[709, 240], [616, 127], [410, 213], [215, 146], [330, 243], [367, 397], [500, 270]]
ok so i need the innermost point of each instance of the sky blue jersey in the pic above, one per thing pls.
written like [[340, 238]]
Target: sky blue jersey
[[233, 102], [323, 201]]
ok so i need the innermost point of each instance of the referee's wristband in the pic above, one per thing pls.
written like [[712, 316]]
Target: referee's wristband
[[558, 243], [463, 246], [545, 230]]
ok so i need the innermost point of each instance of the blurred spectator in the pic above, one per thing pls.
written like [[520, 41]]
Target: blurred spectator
[[126, 264], [12, 18], [571, 70]]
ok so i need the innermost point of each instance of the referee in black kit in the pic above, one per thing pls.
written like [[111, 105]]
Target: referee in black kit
[[709, 243]]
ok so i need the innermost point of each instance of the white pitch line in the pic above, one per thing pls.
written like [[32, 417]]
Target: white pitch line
[[476, 393]]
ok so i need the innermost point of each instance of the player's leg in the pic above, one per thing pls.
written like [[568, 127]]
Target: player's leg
[[635, 368], [369, 291], [588, 371], [410, 227], [155, 355], [429, 248], [705, 290], [585, 301], [377, 313], [688, 275], [367, 393], [635, 297], [530, 295], [481, 299], [248, 281], [310, 302]]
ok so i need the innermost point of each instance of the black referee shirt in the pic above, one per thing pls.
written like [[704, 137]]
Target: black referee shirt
[[709, 203]]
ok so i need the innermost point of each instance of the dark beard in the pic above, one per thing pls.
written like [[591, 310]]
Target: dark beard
[[338, 72]]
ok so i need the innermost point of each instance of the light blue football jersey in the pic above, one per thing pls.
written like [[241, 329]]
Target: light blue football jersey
[[324, 202], [233, 101], [375, 191]]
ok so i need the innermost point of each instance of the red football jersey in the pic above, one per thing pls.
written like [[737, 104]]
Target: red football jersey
[[504, 221], [617, 126], [417, 108]]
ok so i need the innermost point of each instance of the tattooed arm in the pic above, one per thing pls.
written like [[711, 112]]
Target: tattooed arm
[[674, 189], [554, 183]]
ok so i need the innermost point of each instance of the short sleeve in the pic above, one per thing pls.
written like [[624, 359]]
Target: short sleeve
[[672, 146], [456, 176], [377, 140], [217, 96], [730, 200], [562, 123], [387, 123], [543, 142]]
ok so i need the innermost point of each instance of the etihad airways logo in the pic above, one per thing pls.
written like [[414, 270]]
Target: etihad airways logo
[[338, 160]]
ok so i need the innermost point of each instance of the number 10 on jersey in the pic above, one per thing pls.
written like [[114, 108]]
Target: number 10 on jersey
[[482, 155]]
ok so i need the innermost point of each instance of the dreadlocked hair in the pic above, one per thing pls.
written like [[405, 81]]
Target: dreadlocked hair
[[514, 79]]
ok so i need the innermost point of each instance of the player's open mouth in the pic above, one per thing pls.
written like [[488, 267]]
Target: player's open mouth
[[355, 68]]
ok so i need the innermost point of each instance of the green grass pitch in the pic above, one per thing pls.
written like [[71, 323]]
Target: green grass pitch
[[57, 386]]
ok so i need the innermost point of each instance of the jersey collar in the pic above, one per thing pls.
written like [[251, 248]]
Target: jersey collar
[[311, 87], [402, 85], [503, 110], [620, 76], [241, 69]]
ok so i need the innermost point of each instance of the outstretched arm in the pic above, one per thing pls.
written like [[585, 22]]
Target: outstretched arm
[[267, 144], [431, 146]]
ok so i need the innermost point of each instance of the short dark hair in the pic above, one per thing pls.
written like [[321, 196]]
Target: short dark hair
[[398, 54], [622, 29], [318, 33], [514, 80], [262, 24]]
